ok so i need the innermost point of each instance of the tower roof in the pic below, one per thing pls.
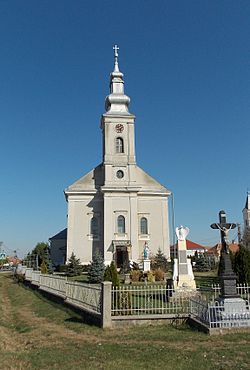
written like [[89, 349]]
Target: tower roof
[[116, 103]]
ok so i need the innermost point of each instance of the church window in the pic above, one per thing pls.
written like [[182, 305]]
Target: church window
[[119, 145], [121, 224], [144, 225], [94, 226]]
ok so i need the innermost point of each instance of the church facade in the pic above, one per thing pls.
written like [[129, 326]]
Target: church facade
[[117, 207]]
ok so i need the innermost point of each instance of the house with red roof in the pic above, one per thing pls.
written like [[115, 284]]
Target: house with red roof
[[192, 247]]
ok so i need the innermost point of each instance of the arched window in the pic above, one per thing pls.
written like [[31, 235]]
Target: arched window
[[119, 146], [94, 226], [144, 225], [121, 224]]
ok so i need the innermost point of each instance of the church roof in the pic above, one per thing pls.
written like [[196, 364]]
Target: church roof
[[94, 180], [89, 182]]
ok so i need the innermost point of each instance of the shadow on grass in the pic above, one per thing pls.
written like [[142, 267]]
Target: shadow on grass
[[76, 320]]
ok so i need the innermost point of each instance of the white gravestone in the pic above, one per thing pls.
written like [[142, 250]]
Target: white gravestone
[[183, 276]]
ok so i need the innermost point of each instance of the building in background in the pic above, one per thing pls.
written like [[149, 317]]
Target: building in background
[[58, 247]]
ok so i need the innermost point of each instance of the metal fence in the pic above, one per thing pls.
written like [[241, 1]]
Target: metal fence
[[84, 295], [149, 300], [217, 313]]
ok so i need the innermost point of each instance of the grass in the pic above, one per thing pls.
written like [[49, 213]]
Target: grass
[[38, 334]]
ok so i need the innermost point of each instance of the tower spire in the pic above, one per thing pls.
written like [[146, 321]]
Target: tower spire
[[117, 102], [116, 48]]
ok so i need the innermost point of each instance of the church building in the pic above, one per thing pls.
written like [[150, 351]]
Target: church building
[[117, 207]]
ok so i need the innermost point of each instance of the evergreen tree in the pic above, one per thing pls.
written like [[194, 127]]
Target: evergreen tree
[[96, 270], [43, 268], [111, 274], [241, 265], [114, 274], [160, 261], [74, 266], [107, 274], [246, 238]]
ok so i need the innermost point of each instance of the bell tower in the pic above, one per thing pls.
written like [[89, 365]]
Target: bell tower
[[246, 213], [117, 125]]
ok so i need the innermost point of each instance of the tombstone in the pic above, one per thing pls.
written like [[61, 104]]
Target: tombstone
[[183, 276]]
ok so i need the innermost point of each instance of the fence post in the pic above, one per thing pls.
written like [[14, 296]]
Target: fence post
[[106, 304]]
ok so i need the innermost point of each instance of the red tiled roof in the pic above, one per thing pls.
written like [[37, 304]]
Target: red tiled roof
[[193, 246], [217, 248]]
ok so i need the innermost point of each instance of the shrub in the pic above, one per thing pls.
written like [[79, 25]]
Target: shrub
[[135, 275], [19, 278], [159, 274], [150, 277]]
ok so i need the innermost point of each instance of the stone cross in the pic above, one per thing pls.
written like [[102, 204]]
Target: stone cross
[[227, 276], [224, 228]]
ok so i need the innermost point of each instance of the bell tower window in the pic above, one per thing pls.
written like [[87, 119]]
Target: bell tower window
[[119, 145]]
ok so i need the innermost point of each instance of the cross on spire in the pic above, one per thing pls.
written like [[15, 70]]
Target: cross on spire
[[116, 48]]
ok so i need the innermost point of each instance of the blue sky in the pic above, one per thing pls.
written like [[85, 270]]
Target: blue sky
[[187, 72]]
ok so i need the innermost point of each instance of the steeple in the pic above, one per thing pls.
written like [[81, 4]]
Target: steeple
[[246, 213], [116, 102], [247, 205]]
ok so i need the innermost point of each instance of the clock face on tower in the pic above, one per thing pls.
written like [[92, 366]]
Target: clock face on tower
[[119, 128]]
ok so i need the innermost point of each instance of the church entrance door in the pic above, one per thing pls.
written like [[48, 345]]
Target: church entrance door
[[121, 256]]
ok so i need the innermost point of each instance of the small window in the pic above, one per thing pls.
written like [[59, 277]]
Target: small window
[[119, 147], [121, 224], [144, 226], [94, 226]]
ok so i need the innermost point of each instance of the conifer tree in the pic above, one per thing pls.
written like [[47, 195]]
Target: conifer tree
[[160, 261], [44, 268], [96, 270], [107, 274], [241, 265], [114, 274], [74, 266]]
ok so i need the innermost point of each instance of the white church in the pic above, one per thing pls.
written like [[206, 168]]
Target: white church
[[117, 207]]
